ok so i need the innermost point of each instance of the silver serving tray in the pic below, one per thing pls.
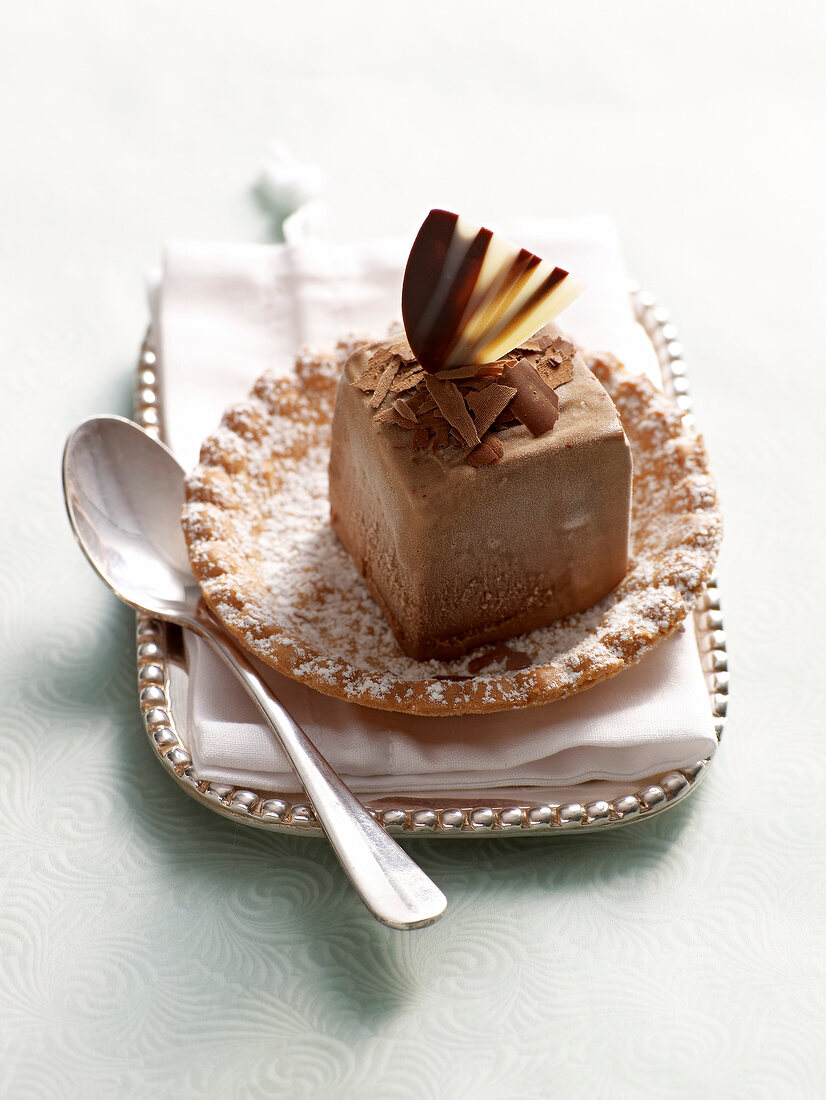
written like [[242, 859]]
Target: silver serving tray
[[163, 684]]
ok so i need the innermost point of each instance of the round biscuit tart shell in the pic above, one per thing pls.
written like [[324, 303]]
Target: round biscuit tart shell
[[256, 521]]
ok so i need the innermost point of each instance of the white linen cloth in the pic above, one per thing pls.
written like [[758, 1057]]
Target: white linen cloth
[[225, 313]]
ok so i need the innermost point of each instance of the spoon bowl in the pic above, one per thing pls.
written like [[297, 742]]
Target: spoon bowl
[[124, 493]]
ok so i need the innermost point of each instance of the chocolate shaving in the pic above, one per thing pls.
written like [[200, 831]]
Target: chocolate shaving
[[490, 450], [556, 372], [453, 409], [422, 402], [552, 354], [369, 371], [392, 416], [563, 348], [386, 380], [442, 436], [487, 404], [507, 417], [398, 345], [421, 436], [474, 370], [407, 380], [470, 384], [384, 354], [403, 409], [513, 659], [542, 339], [535, 404], [432, 419]]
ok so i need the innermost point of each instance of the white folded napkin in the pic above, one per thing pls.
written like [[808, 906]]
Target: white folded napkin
[[224, 314]]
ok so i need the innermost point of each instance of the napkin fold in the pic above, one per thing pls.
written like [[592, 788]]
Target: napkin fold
[[225, 313], [650, 719]]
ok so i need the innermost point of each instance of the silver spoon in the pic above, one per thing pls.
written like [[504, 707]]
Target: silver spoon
[[124, 493]]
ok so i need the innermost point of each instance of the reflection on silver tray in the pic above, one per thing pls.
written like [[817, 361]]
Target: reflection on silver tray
[[163, 684]]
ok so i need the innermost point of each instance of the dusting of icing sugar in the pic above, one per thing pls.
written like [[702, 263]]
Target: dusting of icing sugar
[[261, 545]]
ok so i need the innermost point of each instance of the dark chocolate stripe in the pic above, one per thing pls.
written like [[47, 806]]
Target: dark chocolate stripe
[[526, 260], [424, 266], [544, 290], [445, 329]]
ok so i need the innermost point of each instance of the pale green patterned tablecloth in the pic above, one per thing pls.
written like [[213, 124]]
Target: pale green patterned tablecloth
[[148, 948]]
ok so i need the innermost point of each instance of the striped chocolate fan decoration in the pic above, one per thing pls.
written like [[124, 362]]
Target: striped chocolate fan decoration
[[469, 296]]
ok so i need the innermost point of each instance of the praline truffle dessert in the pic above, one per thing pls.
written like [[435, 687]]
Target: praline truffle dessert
[[479, 476]]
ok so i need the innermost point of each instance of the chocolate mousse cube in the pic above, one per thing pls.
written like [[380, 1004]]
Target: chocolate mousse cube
[[458, 554]]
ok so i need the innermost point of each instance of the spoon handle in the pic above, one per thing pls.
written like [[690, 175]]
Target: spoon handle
[[393, 887]]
